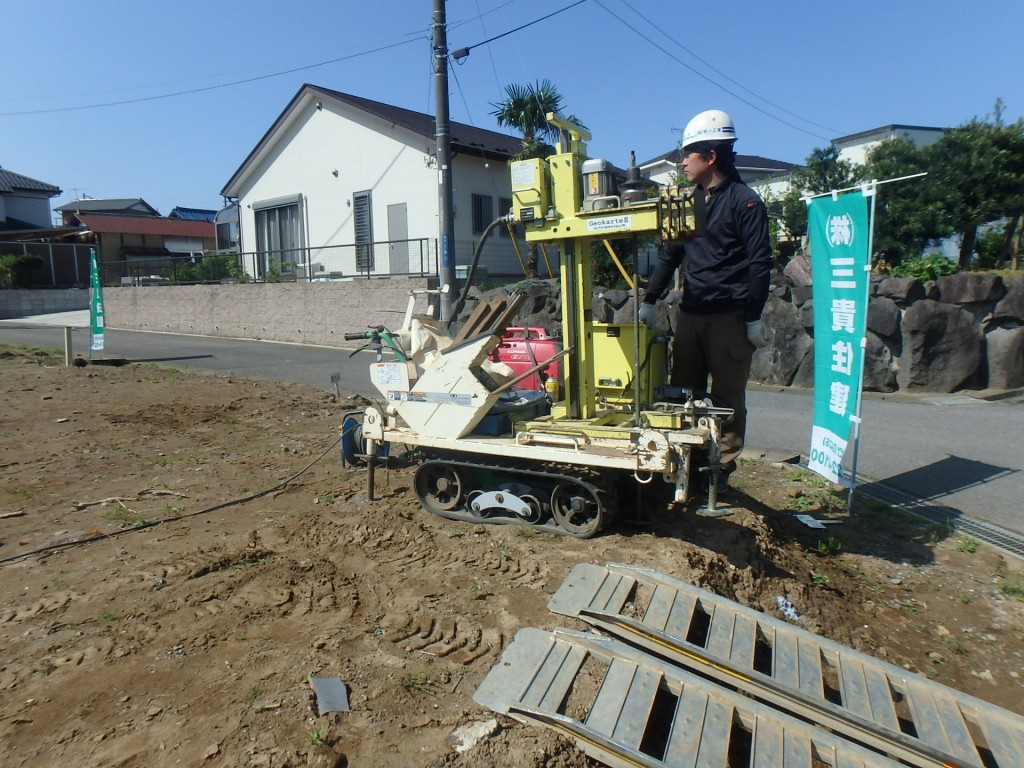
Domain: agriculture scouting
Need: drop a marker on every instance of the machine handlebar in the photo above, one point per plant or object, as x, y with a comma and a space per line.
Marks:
371, 334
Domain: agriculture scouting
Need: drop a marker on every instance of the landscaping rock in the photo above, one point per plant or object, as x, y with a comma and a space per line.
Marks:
943, 348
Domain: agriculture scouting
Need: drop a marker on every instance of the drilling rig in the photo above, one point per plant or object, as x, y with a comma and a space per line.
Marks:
491, 453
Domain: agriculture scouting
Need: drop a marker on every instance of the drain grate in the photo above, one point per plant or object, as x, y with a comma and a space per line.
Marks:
939, 515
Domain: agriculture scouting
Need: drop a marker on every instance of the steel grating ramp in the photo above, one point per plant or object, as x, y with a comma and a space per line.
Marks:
853, 695
650, 713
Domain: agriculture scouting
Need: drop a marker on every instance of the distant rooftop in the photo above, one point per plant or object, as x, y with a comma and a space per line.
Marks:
98, 205
191, 214
11, 181
101, 223
742, 161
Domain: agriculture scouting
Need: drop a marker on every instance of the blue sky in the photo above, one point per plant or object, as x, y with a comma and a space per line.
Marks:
793, 75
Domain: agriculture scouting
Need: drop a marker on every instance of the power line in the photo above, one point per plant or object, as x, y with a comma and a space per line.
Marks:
705, 77
722, 74
462, 53
209, 87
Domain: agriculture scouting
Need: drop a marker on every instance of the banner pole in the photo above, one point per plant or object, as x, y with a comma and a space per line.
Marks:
868, 191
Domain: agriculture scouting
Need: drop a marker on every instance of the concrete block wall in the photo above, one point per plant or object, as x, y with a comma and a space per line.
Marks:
311, 313
22, 303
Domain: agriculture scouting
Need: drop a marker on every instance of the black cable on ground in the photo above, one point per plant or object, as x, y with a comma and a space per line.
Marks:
144, 526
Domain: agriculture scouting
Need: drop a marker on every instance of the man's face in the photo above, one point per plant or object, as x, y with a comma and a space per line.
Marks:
696, 168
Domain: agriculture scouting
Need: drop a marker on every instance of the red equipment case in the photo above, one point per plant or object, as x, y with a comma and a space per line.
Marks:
523, 348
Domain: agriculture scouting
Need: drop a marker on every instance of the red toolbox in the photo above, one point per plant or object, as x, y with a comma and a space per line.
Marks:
523, 348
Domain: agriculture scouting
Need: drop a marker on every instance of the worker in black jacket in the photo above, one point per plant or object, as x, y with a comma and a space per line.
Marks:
726, 274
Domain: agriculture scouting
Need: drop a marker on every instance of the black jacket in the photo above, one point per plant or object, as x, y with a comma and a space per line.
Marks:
729, 267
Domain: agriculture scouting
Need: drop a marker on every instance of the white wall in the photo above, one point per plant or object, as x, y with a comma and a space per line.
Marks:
395, 165
856, 152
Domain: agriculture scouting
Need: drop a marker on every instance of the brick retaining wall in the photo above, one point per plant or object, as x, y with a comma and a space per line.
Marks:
22, 303
311, 313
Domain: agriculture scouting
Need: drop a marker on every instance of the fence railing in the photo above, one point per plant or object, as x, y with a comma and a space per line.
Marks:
390, 258
64, 265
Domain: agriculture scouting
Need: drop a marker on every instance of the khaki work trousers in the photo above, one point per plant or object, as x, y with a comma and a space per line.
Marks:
715, 346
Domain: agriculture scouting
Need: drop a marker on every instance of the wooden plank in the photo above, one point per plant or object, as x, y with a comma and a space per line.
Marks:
960, 740
579, 589
925, 716
636, 709
714, 743
659, 608
560, 684
853, 687
687, 725
784, 658
810, 669
796, 750
883, 711
1005, 742
744, 637
610, 591
767, 747
604, 714
721, 631
545, 674
678, 624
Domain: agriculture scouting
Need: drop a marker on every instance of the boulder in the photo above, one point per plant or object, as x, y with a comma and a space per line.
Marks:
616, 297
1011, 306
943, 348
879, 366
1004, 349
798, 270
902, 290
779, 362
802, 294
970, 288
883, 316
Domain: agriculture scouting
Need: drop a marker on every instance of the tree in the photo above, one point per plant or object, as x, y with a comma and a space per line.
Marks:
908, 214
823, 171
526, 109
979, 166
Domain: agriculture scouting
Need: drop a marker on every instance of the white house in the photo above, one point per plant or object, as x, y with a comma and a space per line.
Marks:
855, 147
24, 202
341, 186
771, 178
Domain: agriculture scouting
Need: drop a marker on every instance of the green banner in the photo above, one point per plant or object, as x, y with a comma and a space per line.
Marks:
839, 234
95, 302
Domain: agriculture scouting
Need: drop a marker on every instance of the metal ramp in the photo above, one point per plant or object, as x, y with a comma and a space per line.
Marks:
650, 713
857, 697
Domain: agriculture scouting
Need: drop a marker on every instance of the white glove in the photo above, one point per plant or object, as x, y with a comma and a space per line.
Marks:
757, 333
648, 315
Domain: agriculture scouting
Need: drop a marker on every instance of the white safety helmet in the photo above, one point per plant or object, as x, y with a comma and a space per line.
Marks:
711, 125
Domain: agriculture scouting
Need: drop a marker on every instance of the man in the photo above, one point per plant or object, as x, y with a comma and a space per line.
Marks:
726, 273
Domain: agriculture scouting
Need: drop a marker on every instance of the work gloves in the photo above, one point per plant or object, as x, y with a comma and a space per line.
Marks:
648, 315
757, 333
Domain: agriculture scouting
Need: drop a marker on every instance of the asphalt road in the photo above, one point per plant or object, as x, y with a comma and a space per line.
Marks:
956, 456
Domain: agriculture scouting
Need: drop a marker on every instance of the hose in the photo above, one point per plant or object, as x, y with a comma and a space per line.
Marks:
457, 308
174, 518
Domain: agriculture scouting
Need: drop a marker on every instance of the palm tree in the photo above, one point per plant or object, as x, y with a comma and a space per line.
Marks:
525, 109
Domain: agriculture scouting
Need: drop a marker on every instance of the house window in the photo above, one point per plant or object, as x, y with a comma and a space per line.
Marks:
363, 219
278, 236
483, 213
504, 206
226, 222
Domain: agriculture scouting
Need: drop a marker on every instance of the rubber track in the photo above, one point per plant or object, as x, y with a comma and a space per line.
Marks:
510, 474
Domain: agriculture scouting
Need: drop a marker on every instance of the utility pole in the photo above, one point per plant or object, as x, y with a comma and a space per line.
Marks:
446, 206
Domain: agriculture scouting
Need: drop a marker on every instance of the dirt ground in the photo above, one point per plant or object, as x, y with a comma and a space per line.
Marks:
124, 642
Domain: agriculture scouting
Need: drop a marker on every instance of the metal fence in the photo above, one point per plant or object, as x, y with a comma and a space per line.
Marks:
64, 265
390, 258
